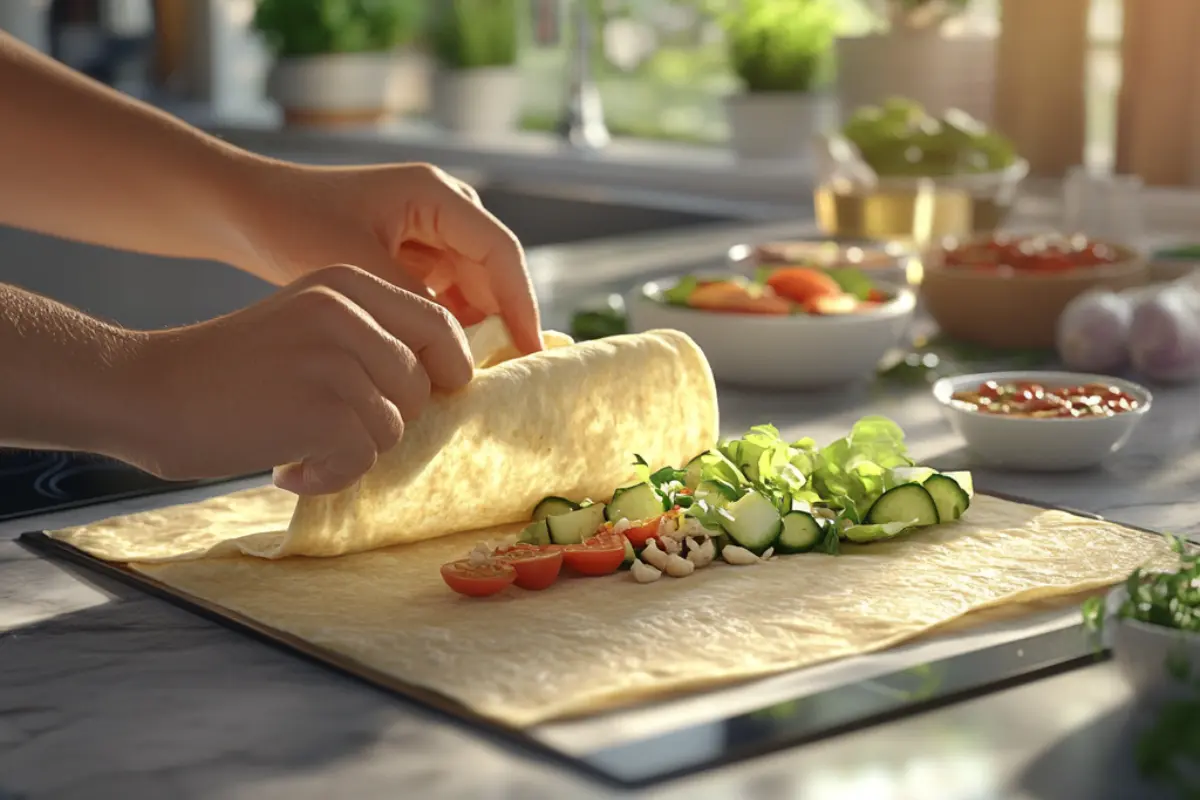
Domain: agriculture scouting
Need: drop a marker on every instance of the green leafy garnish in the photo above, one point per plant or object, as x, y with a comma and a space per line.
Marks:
853, 281
678, 294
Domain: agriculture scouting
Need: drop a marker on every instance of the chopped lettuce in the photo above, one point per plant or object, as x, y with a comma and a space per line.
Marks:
853, 472
844, 478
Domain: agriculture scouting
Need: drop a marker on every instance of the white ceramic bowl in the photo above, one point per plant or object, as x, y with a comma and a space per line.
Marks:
1041, 445
1142, 651
791, 352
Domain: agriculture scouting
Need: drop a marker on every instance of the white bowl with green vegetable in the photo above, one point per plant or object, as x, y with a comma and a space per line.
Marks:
791, 328
1152, 624
1042, 421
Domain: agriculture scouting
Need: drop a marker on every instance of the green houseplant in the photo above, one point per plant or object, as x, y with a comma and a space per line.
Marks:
335, 59
780, 51
476, 44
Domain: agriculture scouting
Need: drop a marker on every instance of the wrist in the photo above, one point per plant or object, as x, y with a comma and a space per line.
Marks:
65, 377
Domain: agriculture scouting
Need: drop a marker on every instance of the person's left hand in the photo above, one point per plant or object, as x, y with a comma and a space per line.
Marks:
411, 224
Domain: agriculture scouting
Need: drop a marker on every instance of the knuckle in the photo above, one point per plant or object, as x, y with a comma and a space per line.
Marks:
323, 304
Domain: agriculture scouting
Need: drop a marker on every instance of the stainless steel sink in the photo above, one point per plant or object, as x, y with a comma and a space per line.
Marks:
548, 215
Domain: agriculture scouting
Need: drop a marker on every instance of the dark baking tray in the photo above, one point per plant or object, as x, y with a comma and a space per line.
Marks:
692, 749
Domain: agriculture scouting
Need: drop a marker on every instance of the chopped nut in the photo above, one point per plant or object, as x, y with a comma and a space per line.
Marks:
701, 555
738, 556
678, 567
671, 545
667, 527
653, 556
622, 525
644, 573
766, 556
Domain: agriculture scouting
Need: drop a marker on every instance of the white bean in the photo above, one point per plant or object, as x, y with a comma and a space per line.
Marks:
738, 556
678, 567
653, 556
644, 573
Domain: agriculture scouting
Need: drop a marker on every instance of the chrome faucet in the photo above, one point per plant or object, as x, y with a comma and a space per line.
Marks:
582, 124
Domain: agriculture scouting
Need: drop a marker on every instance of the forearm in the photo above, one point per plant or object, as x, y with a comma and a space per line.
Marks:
65, 377
81, 161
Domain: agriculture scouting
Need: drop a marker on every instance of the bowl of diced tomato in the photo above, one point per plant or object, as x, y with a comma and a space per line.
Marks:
1009, 291
788, 328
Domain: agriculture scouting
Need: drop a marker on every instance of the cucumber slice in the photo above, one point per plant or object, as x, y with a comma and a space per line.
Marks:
635, 503
717, 495
575, 526
754, 523
694, 471
909, 502
801, 533
535, 533
949, 497
964, 480
552, 507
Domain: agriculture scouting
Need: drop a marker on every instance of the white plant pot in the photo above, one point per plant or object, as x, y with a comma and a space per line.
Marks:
775, 125
477, 102
333, 90
938, 71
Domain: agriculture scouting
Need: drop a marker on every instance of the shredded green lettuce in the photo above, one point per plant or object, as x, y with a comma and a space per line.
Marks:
853, 472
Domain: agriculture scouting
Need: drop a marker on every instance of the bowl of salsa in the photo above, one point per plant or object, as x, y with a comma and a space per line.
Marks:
1042, 421
1008, 291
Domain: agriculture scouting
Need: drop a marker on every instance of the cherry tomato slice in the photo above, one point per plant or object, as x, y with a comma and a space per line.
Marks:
536, 567
600, 555
802, 284
477, 580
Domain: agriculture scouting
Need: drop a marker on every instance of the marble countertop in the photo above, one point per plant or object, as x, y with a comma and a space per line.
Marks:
105, 692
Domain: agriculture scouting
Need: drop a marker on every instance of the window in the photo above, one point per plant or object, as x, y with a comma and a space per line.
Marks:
662, 71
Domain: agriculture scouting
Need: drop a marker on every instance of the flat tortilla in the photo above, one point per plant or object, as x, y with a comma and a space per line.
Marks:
565, 421
590, 644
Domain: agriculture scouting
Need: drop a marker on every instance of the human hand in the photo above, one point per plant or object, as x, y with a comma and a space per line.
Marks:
320, 377
410, 224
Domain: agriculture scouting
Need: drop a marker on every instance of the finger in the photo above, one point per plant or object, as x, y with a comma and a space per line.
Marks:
373, 258
368, 361
467, 315
427, 329
381, 415
463, 188
350, 454
447, 219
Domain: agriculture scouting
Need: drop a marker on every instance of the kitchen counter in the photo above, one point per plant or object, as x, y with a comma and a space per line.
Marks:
105, 692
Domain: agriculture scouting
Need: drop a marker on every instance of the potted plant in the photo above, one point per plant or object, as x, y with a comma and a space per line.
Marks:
916, 52
335, 60
780, 51
477, 87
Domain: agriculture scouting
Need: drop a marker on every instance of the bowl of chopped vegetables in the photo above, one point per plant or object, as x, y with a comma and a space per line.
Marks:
1009, 291
1042, 421
789, 328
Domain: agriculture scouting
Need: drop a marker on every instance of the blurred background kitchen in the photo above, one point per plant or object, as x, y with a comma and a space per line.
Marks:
891, 121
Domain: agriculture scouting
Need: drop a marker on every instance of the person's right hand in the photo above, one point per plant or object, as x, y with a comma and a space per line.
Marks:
320, 378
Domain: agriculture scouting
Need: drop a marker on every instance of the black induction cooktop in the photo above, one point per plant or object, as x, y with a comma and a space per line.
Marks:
41, 481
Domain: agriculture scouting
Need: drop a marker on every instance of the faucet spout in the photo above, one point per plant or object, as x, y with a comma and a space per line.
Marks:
582, 124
